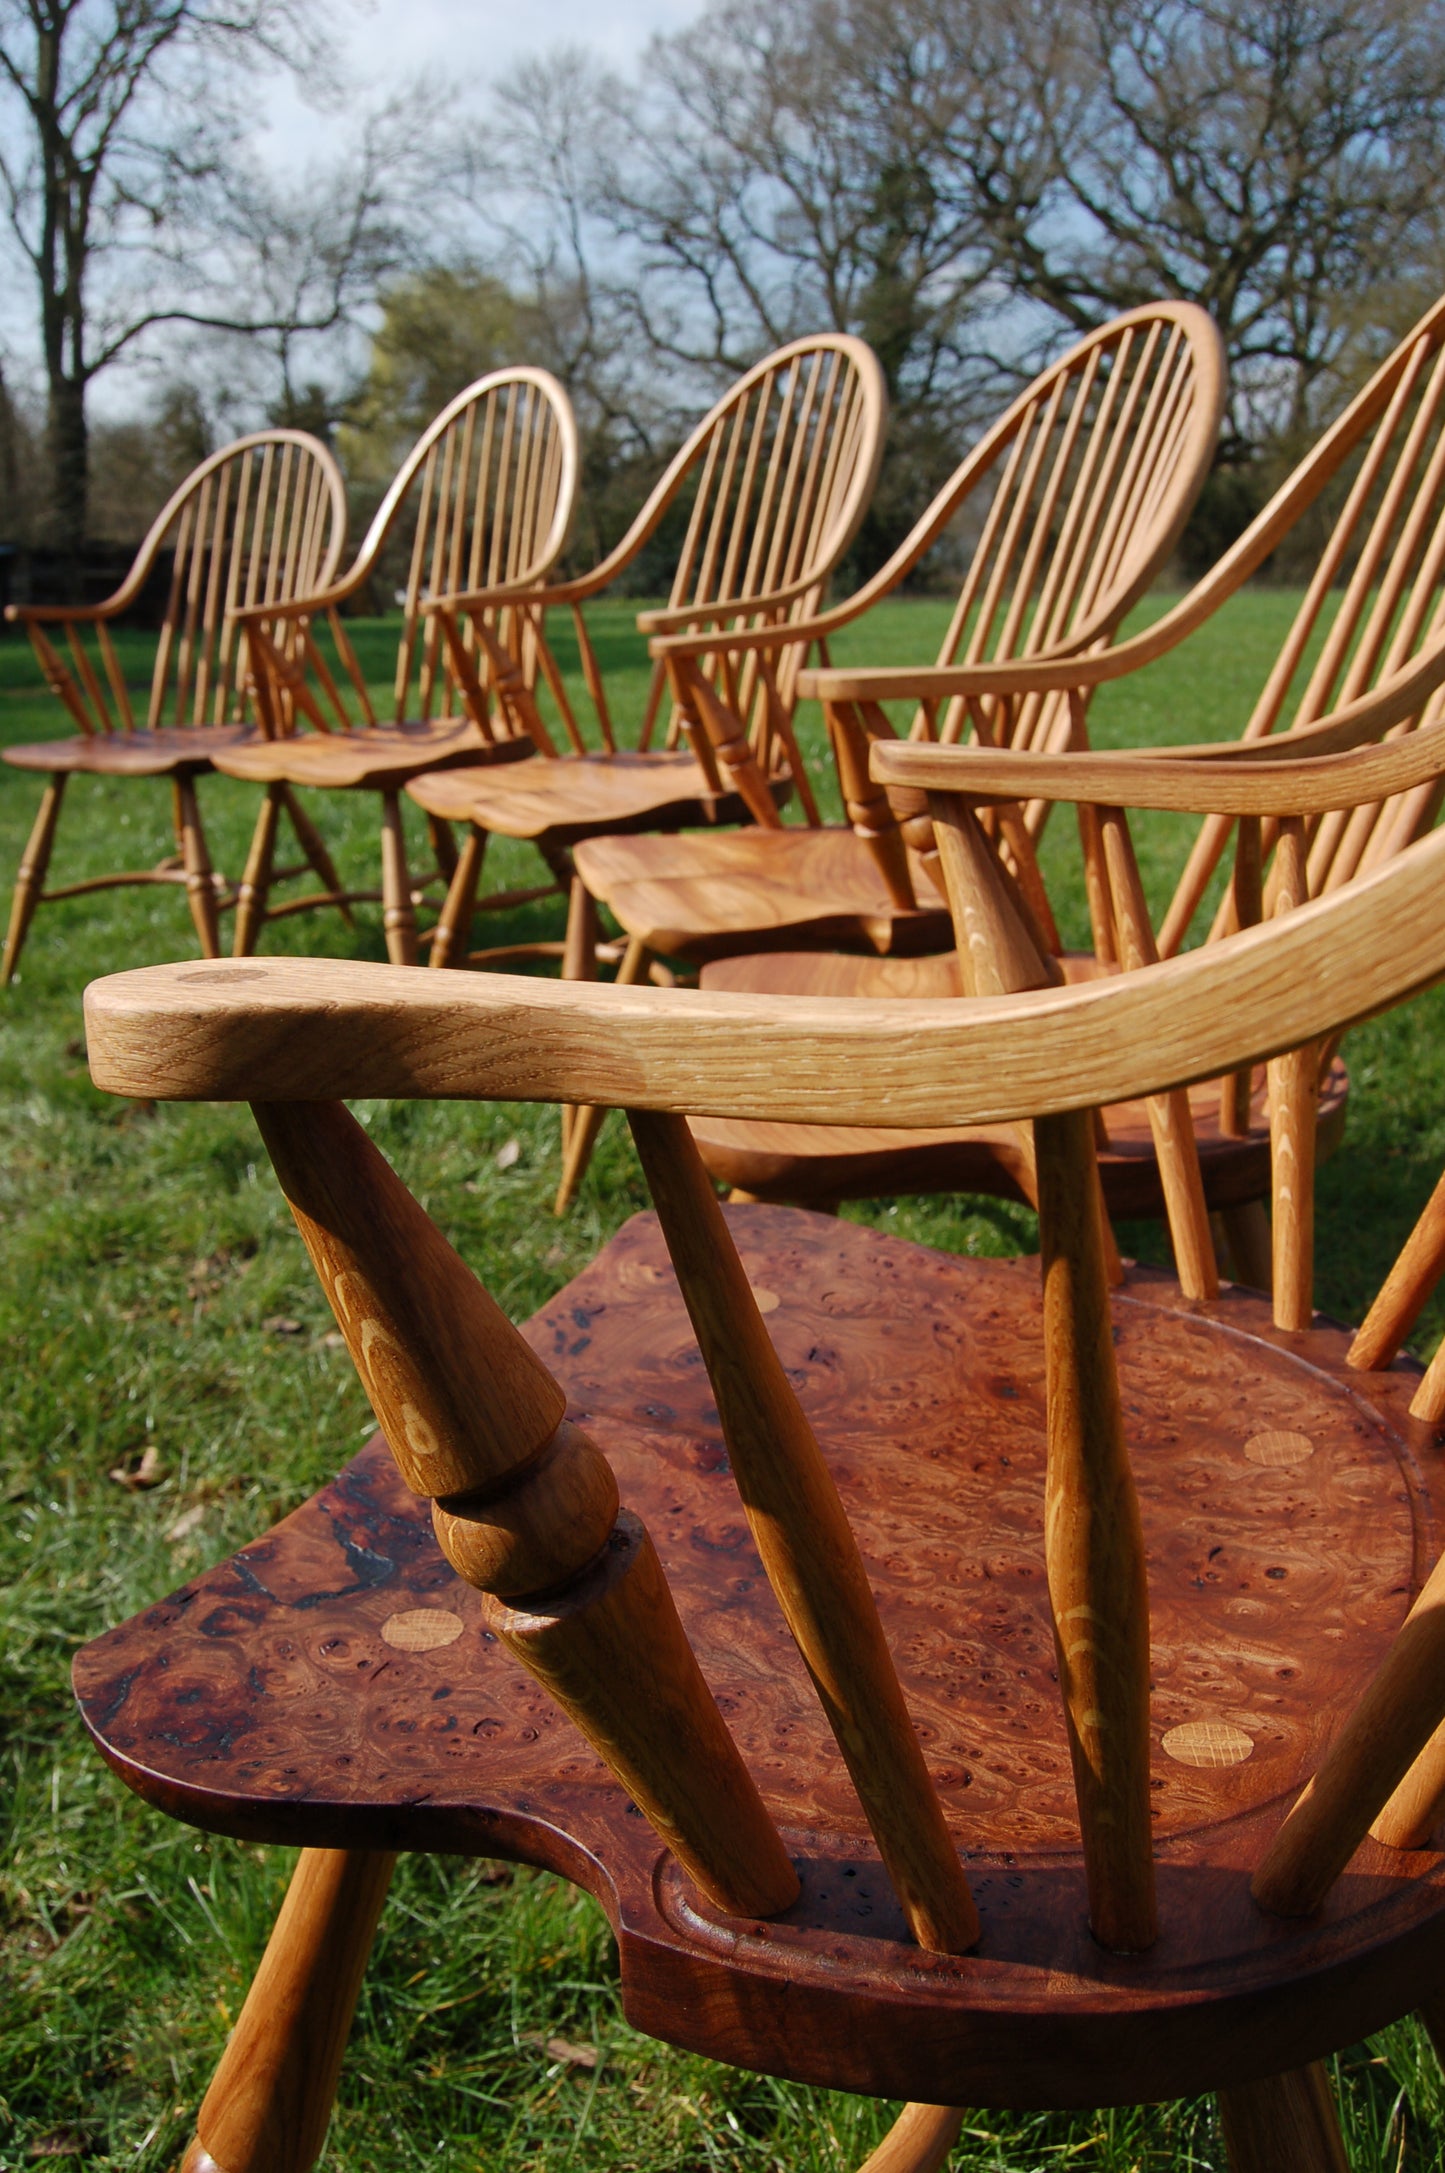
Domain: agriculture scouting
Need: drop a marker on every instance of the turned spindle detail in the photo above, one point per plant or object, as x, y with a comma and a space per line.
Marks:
867, 804
723, 748
525, 1504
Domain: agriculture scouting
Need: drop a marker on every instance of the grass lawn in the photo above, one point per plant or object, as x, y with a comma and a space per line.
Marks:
153, 1294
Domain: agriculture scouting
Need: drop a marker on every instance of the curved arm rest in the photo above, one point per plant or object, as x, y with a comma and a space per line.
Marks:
764, 637
65, 614
685, 618
1010, 675
1276, 779
312, 1029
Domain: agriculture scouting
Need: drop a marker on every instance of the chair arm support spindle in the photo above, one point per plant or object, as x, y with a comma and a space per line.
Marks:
526, 1505
806, 1543
1373, 1754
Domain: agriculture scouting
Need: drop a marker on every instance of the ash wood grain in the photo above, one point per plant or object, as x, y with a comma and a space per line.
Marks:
1401, 1296
269, 2103
1293, 1096
1094, 1546
811, 1164
289, 1030
256, 1701
701, 897
919, 2141
807, 1546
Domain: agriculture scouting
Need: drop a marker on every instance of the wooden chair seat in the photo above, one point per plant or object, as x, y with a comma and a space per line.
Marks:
132, 754
828, 1162
700, 897
584, 796
370, 758
332, 1685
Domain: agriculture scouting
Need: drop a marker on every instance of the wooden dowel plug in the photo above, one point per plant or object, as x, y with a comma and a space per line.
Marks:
1373, 1754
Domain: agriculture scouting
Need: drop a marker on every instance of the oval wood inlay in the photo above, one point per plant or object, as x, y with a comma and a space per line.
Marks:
422, 1629
1211, 1743
1275, 1450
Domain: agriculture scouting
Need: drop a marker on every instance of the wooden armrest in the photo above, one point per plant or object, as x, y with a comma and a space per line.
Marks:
62, 614
314, 1029
1272, 779
734, 640
682, 618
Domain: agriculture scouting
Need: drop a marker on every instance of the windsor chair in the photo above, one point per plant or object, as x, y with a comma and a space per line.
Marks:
260, 522
1185, 1158
780, 471
1364, 658
1033, 1866
1077, 496
488, 492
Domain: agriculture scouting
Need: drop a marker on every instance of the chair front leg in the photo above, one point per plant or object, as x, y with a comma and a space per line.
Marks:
30, 876
581, 1124
256, 882
453, 930
270, 2100
196, 859
313, 845
397, 911
919, 2140
1285, 2124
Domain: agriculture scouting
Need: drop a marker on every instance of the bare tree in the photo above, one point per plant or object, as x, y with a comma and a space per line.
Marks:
777, 166
1276, 161
125, 182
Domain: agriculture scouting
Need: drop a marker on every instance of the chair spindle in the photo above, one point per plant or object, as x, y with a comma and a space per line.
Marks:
525, 1505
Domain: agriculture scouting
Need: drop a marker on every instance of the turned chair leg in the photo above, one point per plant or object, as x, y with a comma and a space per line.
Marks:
255, 886
397, 911
270, 2099
313, 847
1285, 2124
1250, 1244
918, 2142
581, 1125
196, 859
454, 923
30, 876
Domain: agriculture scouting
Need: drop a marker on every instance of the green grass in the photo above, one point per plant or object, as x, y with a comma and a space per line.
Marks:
145, 1253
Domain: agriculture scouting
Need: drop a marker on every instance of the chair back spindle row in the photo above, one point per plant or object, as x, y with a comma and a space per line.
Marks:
484, 498
260, 523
